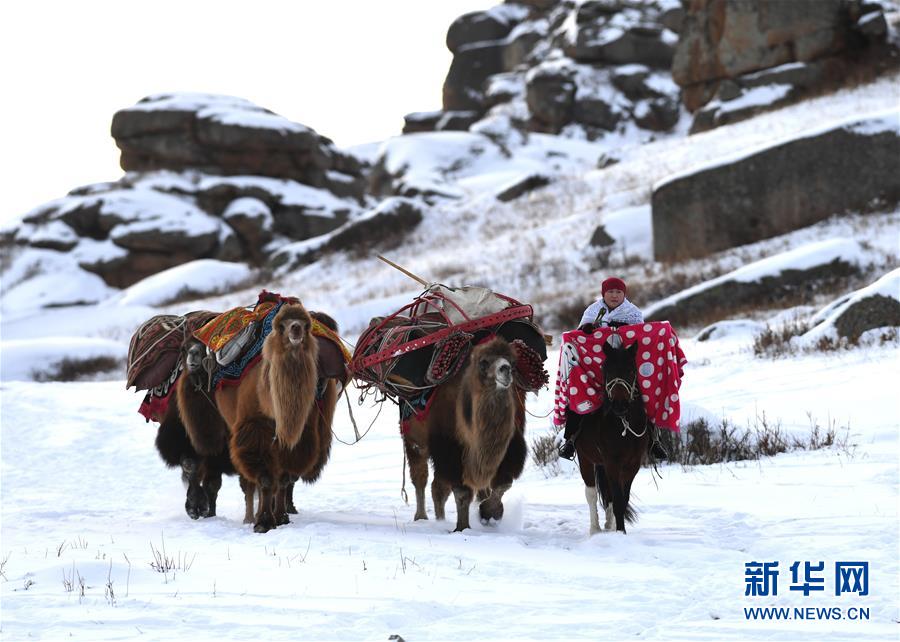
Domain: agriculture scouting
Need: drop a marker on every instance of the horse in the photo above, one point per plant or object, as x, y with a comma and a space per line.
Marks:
613, 439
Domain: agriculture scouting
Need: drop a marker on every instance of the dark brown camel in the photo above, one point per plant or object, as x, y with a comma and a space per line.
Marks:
268, 413
613, 439
207, 431
202, 475
474, 436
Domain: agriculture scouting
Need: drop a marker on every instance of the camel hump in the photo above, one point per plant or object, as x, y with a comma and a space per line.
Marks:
324, 319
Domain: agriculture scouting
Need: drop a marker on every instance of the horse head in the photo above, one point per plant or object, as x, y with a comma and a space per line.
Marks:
619, 375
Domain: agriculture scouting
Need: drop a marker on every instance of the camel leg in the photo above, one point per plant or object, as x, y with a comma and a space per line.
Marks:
211, 485
289, 506
196, 503
440, 491
492, 506
281, 499
265, 516
463, 496
249, 489
418, 473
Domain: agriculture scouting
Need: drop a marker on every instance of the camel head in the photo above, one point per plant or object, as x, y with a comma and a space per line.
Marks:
293, 326
494, 361
192, 352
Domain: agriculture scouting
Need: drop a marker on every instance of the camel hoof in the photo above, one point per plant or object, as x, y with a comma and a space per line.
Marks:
419, 516
490, 510
282, 519
262, 527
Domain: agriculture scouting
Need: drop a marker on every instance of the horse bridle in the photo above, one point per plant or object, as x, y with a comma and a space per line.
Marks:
631, 388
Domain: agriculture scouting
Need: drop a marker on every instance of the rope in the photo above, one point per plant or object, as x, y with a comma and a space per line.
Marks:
179, 325
403, 494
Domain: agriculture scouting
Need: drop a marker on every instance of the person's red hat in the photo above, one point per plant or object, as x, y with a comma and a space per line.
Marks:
613, 283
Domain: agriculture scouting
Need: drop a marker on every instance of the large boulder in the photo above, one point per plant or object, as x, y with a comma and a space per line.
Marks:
550, 95
795, 276
874, 306
851, 167
723, 39
224, 135
472, 65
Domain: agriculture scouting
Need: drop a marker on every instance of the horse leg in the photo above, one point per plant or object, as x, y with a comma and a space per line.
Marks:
605, 497
463, 496
590, 495
249, 489
418, 473
195, 503
265, 516
440, 491
212, 483
619, 500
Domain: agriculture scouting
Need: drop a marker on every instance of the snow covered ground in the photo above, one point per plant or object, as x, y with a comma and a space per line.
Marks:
86, 499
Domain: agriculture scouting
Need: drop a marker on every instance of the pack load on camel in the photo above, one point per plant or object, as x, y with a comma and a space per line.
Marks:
153, 358
459, 362
420, 346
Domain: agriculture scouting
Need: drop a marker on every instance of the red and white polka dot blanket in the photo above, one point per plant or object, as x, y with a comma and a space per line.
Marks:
660, 361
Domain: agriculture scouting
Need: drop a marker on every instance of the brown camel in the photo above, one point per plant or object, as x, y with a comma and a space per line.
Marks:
474, 435
268, 413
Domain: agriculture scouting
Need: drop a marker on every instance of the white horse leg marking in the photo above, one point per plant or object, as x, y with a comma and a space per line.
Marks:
610, 518
590, 494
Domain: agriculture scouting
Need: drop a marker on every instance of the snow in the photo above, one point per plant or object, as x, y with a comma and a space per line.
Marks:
228, 110
353, 564
24, 359
756, 97
868, 125
203, 276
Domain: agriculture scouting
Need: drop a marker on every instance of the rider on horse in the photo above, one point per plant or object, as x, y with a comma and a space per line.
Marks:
612, 309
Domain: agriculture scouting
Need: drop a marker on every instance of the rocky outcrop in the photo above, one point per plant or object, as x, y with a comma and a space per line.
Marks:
851, 167
382, 228
230, 136
209, 177
550, 68
813, 45
795, 276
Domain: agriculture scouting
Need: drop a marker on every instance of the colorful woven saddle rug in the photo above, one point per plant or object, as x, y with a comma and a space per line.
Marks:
219, 333
659, 361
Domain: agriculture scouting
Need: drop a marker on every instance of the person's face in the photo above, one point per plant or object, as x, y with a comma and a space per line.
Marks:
613, 298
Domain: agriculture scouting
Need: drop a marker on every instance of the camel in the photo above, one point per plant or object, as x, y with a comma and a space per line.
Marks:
202, 475
473, 434
275, 434
204, 426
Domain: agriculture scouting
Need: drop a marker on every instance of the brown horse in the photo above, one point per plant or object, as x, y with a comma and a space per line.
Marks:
474, 436
613, 439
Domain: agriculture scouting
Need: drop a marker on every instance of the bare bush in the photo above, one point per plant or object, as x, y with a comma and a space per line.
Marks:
77, 369
545, 456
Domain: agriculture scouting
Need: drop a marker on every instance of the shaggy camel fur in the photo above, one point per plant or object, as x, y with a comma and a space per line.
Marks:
202, 475
474, 435
207, 431
269, 410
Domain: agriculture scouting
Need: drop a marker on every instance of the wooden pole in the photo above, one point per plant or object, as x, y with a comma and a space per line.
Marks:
406, 272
